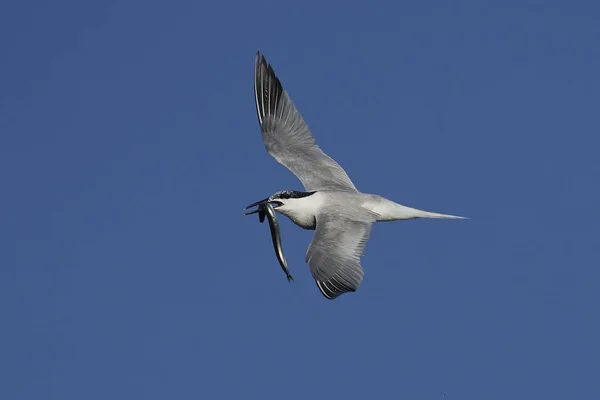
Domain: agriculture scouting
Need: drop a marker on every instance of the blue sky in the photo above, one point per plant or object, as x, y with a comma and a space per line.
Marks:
129, 144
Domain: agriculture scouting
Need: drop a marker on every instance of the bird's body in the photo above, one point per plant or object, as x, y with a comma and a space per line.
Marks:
303, 211
341, 216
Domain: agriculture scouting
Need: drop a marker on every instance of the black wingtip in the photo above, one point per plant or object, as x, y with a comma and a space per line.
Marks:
330, 294
268, 89
257, 57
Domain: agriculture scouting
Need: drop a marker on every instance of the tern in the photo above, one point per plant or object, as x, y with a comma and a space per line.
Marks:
340, 215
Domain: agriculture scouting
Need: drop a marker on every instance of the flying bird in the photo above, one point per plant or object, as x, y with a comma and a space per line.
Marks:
340, 215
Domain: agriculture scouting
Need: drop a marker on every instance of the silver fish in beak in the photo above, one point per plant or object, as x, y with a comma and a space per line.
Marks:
266, 209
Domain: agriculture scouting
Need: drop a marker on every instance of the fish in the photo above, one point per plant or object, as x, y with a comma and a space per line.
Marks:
276, 238
266, 209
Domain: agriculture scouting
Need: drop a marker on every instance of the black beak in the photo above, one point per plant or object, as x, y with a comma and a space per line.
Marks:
256, 204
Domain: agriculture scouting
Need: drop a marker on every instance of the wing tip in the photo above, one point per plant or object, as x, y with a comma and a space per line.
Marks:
267, 101
332, 294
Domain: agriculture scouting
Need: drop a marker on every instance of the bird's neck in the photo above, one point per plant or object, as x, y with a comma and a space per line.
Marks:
302, 211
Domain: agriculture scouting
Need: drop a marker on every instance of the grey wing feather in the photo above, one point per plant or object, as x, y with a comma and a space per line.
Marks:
334, 253
287, 137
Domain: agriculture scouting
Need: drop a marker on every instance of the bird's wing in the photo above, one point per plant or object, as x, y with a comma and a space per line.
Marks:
287, 137
334, 253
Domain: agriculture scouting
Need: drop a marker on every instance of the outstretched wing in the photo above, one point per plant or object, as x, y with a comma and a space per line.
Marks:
334, 253
287, 137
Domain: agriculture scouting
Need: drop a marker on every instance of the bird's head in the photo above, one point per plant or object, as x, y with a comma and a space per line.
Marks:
281, 198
